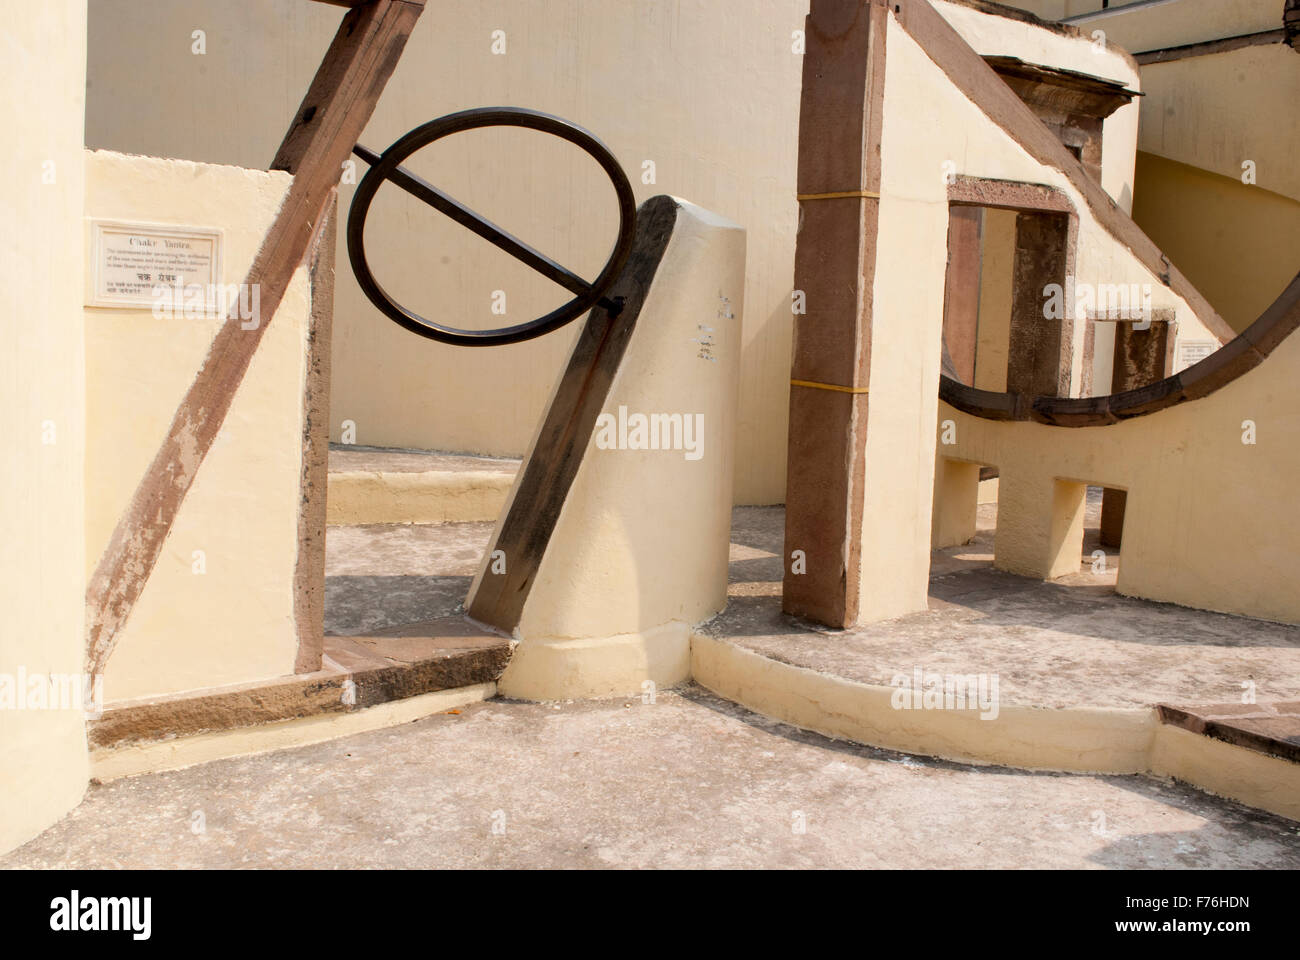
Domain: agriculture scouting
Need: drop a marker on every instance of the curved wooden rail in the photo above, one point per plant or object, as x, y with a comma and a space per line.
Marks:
1240, 355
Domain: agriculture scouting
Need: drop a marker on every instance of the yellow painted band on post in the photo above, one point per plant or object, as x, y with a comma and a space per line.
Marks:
839, 194
827, 386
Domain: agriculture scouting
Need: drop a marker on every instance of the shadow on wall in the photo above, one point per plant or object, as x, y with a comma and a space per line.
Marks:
1238, 244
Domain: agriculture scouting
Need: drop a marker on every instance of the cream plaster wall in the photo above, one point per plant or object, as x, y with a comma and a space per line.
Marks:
1239, 244
708, 91
1058, 9
908, 304
639, 552
1152, 24
1218, 111
42, 485
234, 622
1209, 521
1174, 23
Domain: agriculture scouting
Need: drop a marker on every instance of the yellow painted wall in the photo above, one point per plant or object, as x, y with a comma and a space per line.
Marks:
43, 763
708, 91
1239, 244
234, 622
908, 304
1138, 26
1218, 111
1209, 522
1145, 25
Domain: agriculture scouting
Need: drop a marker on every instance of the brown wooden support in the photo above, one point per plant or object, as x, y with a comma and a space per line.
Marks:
336, 109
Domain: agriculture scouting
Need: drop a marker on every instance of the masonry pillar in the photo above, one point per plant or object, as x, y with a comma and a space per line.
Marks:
956, 502
42, 487
1040, 525
835, 259
961, 293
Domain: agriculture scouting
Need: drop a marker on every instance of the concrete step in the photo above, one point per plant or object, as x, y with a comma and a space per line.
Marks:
359, 675
1269, 728
369, 485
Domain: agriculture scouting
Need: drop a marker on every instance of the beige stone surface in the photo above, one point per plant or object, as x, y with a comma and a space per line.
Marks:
638, 554
405, 496
42, 391
352, 459
1072, 642
233, 622
378, 577
688, 781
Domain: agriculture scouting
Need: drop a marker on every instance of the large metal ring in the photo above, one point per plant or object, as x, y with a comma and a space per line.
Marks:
386, 166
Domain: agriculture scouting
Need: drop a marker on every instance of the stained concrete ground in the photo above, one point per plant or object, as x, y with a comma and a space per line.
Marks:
688, 781
1066, 642
693, 781
379, 576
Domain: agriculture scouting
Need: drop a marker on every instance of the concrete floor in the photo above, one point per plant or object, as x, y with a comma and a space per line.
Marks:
1066, 642
693, 781
689, 781
381, 576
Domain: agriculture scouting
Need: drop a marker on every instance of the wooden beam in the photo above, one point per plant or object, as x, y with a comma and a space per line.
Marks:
309, 574
840, 131
335, 111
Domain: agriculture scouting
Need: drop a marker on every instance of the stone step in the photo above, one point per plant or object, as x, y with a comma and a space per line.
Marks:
358, 672
1269, 728
371, 485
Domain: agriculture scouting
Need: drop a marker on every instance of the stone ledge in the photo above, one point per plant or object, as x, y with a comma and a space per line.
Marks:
1078, 739
1269, 728
436, 496
359, 672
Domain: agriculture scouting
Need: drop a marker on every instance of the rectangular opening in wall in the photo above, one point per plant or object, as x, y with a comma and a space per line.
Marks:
1103, 525
998, 331
965, 516
978, 295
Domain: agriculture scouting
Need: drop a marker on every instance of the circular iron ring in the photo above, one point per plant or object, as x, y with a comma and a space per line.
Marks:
426, 134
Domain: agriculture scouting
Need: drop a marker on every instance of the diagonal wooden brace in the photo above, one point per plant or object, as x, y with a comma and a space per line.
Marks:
337, 107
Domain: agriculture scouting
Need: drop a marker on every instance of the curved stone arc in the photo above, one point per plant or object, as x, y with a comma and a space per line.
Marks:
1235, 358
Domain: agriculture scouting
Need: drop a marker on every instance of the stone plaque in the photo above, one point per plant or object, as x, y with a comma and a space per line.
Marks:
1194, 351
139, 264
